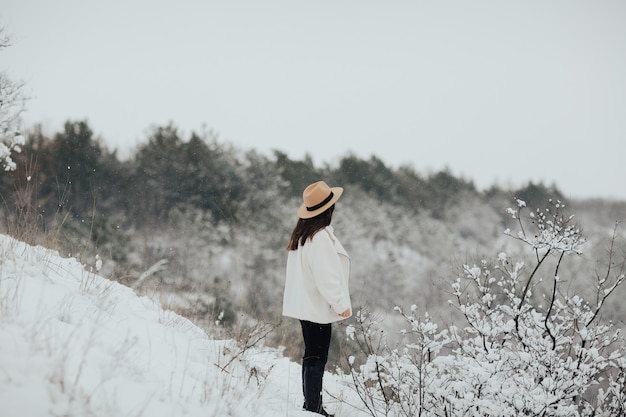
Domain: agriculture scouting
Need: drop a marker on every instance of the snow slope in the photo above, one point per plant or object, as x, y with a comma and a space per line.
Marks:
73, 343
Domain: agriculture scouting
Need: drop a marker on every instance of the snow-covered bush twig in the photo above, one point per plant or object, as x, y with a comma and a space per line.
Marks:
12, 105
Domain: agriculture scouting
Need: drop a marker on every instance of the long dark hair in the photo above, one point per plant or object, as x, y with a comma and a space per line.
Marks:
307, 228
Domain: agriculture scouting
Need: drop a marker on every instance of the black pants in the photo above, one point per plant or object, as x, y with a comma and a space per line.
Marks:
316, 343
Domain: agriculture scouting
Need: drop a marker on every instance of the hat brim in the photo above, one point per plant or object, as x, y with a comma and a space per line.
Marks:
303, 213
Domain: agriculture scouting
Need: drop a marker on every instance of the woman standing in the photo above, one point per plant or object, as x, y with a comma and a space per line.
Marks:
316, 286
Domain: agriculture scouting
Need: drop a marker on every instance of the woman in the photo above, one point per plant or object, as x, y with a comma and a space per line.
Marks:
316, 285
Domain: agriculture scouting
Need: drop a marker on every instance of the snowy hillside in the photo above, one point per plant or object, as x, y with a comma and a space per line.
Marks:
75, 344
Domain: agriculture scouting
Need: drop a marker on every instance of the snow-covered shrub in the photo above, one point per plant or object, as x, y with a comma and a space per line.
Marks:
11, 107
517, 353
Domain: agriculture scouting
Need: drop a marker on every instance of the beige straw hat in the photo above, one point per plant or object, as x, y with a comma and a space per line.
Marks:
318, 197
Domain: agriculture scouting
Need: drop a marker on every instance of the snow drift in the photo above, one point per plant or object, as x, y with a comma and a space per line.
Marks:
73, 343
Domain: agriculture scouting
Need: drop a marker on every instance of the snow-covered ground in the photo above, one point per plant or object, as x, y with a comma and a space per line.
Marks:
73, 343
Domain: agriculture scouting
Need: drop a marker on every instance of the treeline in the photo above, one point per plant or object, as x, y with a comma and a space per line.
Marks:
71, 179
204, 224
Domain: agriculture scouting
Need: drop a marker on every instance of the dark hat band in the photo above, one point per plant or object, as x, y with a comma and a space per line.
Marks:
320, 205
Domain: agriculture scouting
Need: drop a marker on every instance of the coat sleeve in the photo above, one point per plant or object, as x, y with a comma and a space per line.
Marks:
327, 272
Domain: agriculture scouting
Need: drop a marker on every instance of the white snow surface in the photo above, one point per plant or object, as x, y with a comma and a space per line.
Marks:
73, 343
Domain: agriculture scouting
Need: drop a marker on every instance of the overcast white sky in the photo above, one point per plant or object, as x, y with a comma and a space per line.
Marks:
497, 91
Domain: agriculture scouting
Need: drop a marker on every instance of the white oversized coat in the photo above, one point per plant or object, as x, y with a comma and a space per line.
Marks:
316, 284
